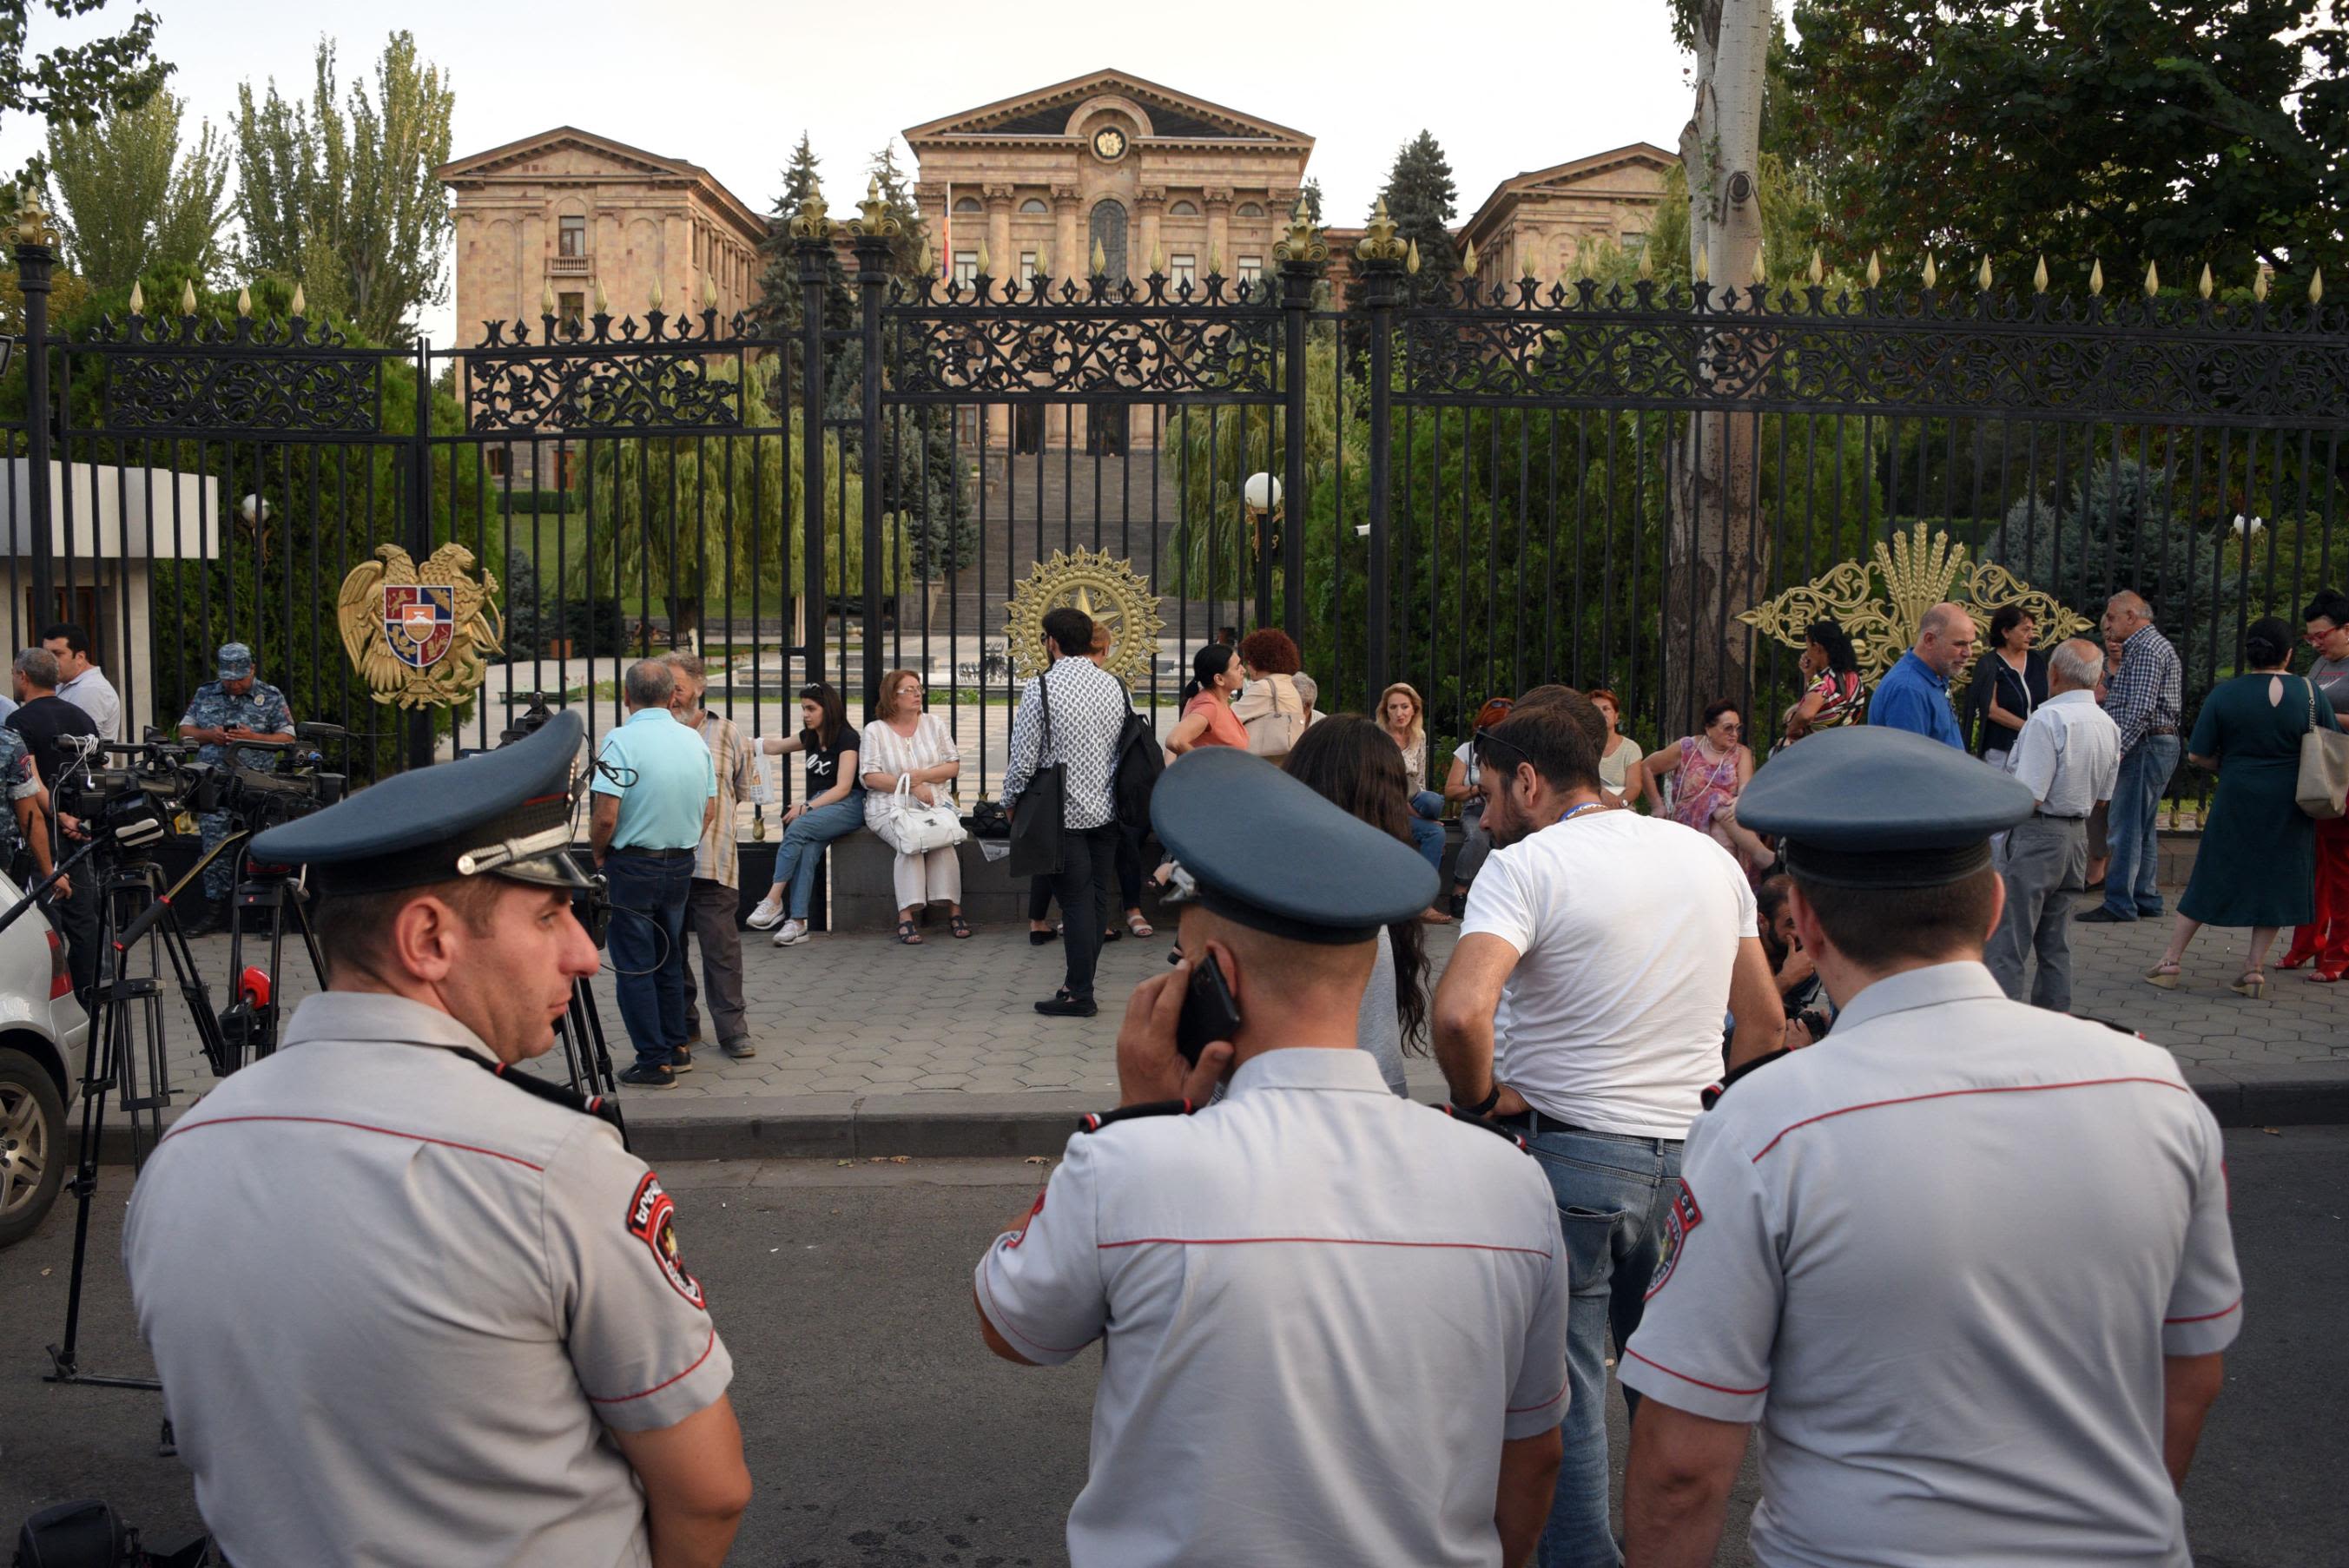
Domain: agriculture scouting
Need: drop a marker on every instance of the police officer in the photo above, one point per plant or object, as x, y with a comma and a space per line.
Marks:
1335, 1320
1966, 1261
409, 1306
237, 706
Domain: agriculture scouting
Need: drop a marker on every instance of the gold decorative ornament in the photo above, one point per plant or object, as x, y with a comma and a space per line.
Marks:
873, 221
1380, 243
1303, 243
420, 638
33, 225
812, 221
1108, 589
1916, 573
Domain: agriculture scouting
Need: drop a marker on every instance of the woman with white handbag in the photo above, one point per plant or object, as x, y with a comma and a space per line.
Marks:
911, 762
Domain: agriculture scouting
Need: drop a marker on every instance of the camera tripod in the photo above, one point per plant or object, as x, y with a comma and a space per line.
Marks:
126, 1030
248, 1024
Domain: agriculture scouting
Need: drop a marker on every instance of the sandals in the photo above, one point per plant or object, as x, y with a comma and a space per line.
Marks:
2250, 983
959, 927
1138, 926
908, 933
2164, 975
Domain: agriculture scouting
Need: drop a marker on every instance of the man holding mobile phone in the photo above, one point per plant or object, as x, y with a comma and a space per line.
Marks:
1335, 1320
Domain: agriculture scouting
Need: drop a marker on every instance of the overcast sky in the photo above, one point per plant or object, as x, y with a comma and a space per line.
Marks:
729, 84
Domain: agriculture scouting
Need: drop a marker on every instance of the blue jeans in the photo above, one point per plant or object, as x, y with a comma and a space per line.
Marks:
802, 850
2131, 890
1427, 826
1612, 1193
647, 948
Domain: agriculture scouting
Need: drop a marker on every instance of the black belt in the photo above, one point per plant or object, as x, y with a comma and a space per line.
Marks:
2062, 815
2172, 729
1532, 1123
650, 853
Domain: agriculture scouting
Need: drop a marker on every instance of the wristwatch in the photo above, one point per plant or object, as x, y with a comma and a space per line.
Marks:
1483, 1107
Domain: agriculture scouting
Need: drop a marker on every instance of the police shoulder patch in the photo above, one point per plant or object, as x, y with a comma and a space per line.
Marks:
1683, 1218
652, 1220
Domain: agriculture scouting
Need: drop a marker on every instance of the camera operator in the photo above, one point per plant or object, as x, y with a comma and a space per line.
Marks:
50, 725
402, 1312
237, 706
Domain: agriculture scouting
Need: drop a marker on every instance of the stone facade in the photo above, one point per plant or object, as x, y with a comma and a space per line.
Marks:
554, 223
1543, 215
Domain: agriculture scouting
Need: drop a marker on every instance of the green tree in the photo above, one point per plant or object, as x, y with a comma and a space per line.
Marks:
779, 311
2177, 131
342, 196
74, 84
1422, 201
130, 197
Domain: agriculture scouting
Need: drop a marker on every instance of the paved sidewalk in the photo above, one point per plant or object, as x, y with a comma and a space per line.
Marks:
866, 1048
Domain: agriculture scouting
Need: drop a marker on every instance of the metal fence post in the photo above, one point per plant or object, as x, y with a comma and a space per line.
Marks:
1378, 258
1302, 253
34, 259
811, 243
418, 528
872, 231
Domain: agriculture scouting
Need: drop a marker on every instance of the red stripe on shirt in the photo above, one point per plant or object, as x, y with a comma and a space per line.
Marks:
624, 1399
1546, 1403
1700, 1382
1311, 1241
355, 1126
1954, 1093
2206, 1316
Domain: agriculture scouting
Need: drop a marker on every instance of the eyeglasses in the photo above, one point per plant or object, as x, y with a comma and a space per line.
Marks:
1485, 737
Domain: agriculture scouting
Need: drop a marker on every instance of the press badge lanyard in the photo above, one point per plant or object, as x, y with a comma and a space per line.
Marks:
1585, 806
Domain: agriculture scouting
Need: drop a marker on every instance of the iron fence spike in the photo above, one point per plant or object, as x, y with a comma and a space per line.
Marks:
2039, 277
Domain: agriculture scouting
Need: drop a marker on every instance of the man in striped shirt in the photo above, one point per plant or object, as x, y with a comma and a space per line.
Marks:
2143, 702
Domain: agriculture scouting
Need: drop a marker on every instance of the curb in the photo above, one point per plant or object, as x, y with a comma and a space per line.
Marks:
950, 1125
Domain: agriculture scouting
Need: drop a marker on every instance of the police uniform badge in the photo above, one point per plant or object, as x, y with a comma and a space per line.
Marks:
1679, 1220
652, 1220
420, 636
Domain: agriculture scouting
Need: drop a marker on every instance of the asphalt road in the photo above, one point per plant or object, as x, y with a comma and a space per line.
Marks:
882, 1436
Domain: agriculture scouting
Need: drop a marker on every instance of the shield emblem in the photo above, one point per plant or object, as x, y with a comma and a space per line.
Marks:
420, 621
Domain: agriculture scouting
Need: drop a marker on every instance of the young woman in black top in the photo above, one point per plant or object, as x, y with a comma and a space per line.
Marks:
835, 807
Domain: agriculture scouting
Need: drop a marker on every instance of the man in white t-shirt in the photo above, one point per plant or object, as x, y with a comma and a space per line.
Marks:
1619, 942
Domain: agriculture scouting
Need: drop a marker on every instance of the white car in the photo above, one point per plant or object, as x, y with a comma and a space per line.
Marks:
43, 1034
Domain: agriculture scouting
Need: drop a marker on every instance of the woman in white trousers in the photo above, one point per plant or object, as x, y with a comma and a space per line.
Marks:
905, 744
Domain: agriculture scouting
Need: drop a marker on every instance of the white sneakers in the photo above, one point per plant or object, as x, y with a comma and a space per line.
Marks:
793, 933
764, 917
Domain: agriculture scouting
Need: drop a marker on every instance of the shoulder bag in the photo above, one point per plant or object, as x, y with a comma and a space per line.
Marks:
1037, 815
1272, 736
2323, 766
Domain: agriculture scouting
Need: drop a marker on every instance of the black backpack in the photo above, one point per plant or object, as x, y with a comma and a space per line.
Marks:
1139, 762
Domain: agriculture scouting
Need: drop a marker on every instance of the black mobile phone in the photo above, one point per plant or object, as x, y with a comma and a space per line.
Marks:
1209, 1012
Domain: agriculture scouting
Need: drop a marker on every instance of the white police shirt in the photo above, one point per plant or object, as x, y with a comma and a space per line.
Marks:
395, 1304
1940, 1256
1324, 1307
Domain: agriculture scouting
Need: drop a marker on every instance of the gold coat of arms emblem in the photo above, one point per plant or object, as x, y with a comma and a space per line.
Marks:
419, 636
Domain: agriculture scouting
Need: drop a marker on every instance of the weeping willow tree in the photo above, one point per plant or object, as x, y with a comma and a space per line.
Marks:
681, 520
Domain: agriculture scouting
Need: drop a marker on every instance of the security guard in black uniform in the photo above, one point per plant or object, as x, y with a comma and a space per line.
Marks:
1335, 1320
405, 1311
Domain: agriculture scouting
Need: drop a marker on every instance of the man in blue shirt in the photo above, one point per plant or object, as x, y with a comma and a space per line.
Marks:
655, 791
1914, 694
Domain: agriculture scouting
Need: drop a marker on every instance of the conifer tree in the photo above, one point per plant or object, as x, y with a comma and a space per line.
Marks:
1422, 199
777, 312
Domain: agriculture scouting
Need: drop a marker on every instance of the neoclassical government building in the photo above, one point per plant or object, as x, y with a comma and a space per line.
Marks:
566, 221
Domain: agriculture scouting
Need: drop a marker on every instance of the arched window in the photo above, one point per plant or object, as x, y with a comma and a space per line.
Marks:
967, 204
1034, 205
1250, 210
1183, 209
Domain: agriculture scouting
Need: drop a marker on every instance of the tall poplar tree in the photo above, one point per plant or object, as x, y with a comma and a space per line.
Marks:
129, 197
75, 83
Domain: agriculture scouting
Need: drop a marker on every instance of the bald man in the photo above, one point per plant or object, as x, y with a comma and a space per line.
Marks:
1914, 694
2143, 698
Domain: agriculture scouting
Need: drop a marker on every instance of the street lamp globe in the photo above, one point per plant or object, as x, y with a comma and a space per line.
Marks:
253, 509
1262, 492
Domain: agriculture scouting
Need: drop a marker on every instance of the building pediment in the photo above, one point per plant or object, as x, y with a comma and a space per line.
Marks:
568, 153
1601, 176
1168, 115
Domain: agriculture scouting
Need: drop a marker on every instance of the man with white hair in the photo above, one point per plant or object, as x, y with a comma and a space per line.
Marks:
2069, 756
2143, 699
1914, 694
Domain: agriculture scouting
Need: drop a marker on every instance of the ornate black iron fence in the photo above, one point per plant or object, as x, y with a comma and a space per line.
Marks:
1612, 484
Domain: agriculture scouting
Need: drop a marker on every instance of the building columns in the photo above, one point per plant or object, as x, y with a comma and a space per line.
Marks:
1219, 231
1069, 259
1149, 204
1002, 262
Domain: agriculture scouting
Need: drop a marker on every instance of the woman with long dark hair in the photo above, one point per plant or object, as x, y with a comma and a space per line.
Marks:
2011, 680
835, 807
1351, 762
1835, 695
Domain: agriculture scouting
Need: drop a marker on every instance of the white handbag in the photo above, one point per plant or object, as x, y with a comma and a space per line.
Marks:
922, 827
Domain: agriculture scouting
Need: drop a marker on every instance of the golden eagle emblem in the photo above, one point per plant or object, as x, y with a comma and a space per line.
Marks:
420, 638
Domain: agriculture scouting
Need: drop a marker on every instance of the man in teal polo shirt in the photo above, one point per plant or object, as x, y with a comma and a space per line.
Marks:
655, 790
1914, 694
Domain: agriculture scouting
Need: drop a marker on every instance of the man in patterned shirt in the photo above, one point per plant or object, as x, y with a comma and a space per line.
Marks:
713, 909
239, 706
21, 825
1086, 708
2143, 700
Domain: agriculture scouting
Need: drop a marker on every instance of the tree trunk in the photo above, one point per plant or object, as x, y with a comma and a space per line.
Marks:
1714, 540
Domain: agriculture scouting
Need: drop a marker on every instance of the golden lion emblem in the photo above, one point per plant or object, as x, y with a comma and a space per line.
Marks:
420, 638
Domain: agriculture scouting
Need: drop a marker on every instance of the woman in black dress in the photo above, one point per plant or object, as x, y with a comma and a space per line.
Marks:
2011, 681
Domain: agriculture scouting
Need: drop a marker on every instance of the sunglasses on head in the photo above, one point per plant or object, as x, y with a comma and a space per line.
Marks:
1486, 739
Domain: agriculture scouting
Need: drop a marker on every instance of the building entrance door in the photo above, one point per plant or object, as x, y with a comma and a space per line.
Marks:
1108, 233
